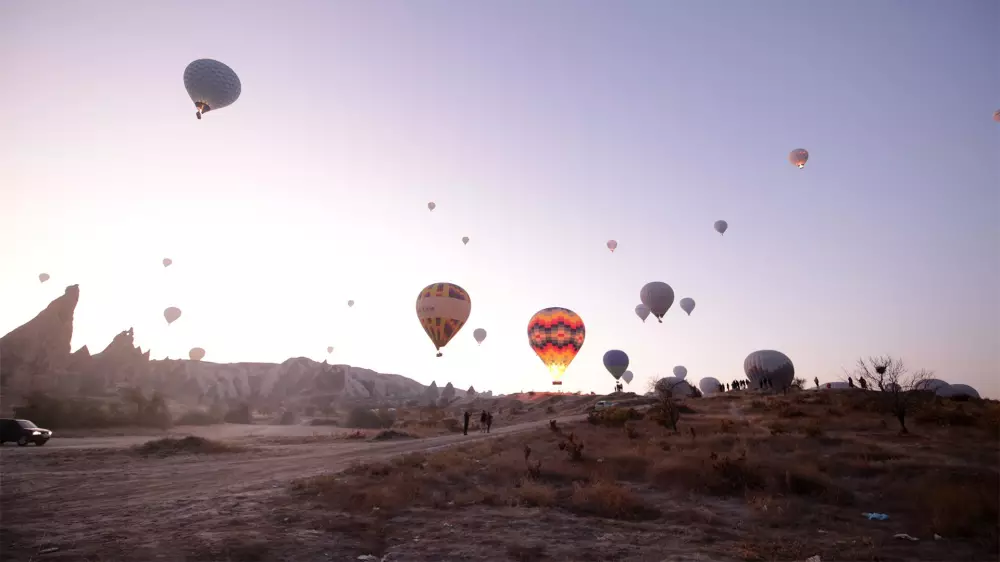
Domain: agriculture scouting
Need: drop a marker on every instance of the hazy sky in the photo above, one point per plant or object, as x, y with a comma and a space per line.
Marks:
541, 130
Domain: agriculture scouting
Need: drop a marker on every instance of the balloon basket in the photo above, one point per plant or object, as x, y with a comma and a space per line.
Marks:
557, 383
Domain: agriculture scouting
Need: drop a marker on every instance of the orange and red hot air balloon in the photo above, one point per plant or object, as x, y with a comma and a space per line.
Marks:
556, 335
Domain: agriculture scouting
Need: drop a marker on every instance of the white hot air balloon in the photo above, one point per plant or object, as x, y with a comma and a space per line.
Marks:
171, 314
680, 372
770, 364
721, 227
798, 157
329, 349
957, 390
678, 387
687, 305
43, 277
658, 297
211, 84
167, 262
350, 303
196, 354
465, 240
709, 385
642, 311
480, 335
612, 244
431, 205
627, 376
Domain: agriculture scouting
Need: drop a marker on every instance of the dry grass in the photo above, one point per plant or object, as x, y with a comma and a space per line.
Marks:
777, 470
190, 445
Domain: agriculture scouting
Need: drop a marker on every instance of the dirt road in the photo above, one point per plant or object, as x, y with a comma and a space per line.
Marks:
83, 495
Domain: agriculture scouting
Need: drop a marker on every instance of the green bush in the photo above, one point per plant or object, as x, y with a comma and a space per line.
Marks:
133, 408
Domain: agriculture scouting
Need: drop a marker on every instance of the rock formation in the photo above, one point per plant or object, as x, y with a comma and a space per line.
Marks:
41, 345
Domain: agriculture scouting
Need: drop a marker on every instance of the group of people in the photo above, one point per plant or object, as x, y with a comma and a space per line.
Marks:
619, 387
485, 422
743, 384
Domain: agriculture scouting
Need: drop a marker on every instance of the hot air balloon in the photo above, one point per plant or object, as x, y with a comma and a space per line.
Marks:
196, 354
556, 335
612, 244
172, 314
771, 364
657, 296
798, 157
167, 262
616, 362
479, 334
350, 303
642, 311
465, 240
674, 386
431, 205
329, 349
709, 385
721, 227
957, 390
627, 377
996, 116
687, 305
43, 277
680, 372
442, 309
211, 85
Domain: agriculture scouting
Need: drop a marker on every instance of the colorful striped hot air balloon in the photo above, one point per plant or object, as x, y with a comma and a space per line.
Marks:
443, 308
556, 336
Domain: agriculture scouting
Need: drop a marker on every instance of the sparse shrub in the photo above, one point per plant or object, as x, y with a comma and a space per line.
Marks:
452, 425
287, 418
169, 446
550, 410
727, 426
240, 413
535, 494
364, 418
554, 426
610, 500
813, 429
534, 466
573, 447
134, 408
758, 404
356, 435
631, 431
531, 393
388, 434
614, 416
789, 411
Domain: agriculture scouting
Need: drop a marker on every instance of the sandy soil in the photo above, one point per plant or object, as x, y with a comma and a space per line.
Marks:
95, 499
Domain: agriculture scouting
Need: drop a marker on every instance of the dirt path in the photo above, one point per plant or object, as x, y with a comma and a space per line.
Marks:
97, 489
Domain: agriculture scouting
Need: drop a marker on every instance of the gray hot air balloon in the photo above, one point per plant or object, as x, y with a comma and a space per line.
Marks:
196, 354
932, 385
770, 364
709, 385
479, 334
350, 303
211, 84
680, 372
43, 277
465, 240
721, 227
167, 262
957, 390
678, 387
431, 205
627, 377
642, 311
616, 362
171, 314
658, 297
687, 305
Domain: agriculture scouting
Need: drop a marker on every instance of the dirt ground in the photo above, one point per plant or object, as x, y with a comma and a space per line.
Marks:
745, 478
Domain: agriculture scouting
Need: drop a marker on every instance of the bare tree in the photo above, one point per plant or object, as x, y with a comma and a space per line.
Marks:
666, 407
897, 386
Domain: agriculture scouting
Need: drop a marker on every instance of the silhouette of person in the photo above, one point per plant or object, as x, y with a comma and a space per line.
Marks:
816, 380
864, 385
850, 382
465, 424
482, 422
489, 422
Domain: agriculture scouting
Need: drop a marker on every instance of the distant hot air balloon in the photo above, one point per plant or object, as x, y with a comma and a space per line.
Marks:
627, 377
196, 354
329, 349
442, 309
680, 372
556, 335
616, 362
658, 297
211, 85
769, 364
642, 311
612, 244
431, 205
798, 157
465, 240
43, 277
687, 305
167, 262
350, 303
172, 314
721, 227
709, 385
479, 334
996, 116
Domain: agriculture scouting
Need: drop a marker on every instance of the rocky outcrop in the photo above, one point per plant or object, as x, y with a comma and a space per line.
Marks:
448, 393
41, 345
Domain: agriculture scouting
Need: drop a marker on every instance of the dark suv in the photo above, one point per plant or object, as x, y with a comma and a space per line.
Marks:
22, 432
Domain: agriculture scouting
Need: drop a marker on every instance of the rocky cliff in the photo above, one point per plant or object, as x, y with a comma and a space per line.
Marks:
37, 357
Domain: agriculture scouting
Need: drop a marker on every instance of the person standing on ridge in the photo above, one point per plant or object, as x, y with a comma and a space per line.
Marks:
482, 422
465, 424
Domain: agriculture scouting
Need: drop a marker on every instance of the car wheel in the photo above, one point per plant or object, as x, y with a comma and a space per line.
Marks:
40, 442
21, 442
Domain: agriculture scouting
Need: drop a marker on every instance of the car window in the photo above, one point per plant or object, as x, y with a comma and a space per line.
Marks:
26, 424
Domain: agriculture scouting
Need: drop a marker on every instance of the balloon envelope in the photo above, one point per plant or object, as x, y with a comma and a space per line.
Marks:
642, 311
431, 205
479, 334
211, 85
465, 240
556, 335
443, 309
616, 362
680, 372
679, 388
196, 354
996, 116
612, 244
658, 297
43, 277
329, 349
350, 303
171, 314
627, 377
771, 364
687, 305
958, 389
167, 262
798, 157
721, 227
709, 385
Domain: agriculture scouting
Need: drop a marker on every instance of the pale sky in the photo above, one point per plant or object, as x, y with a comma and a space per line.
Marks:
541, 130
